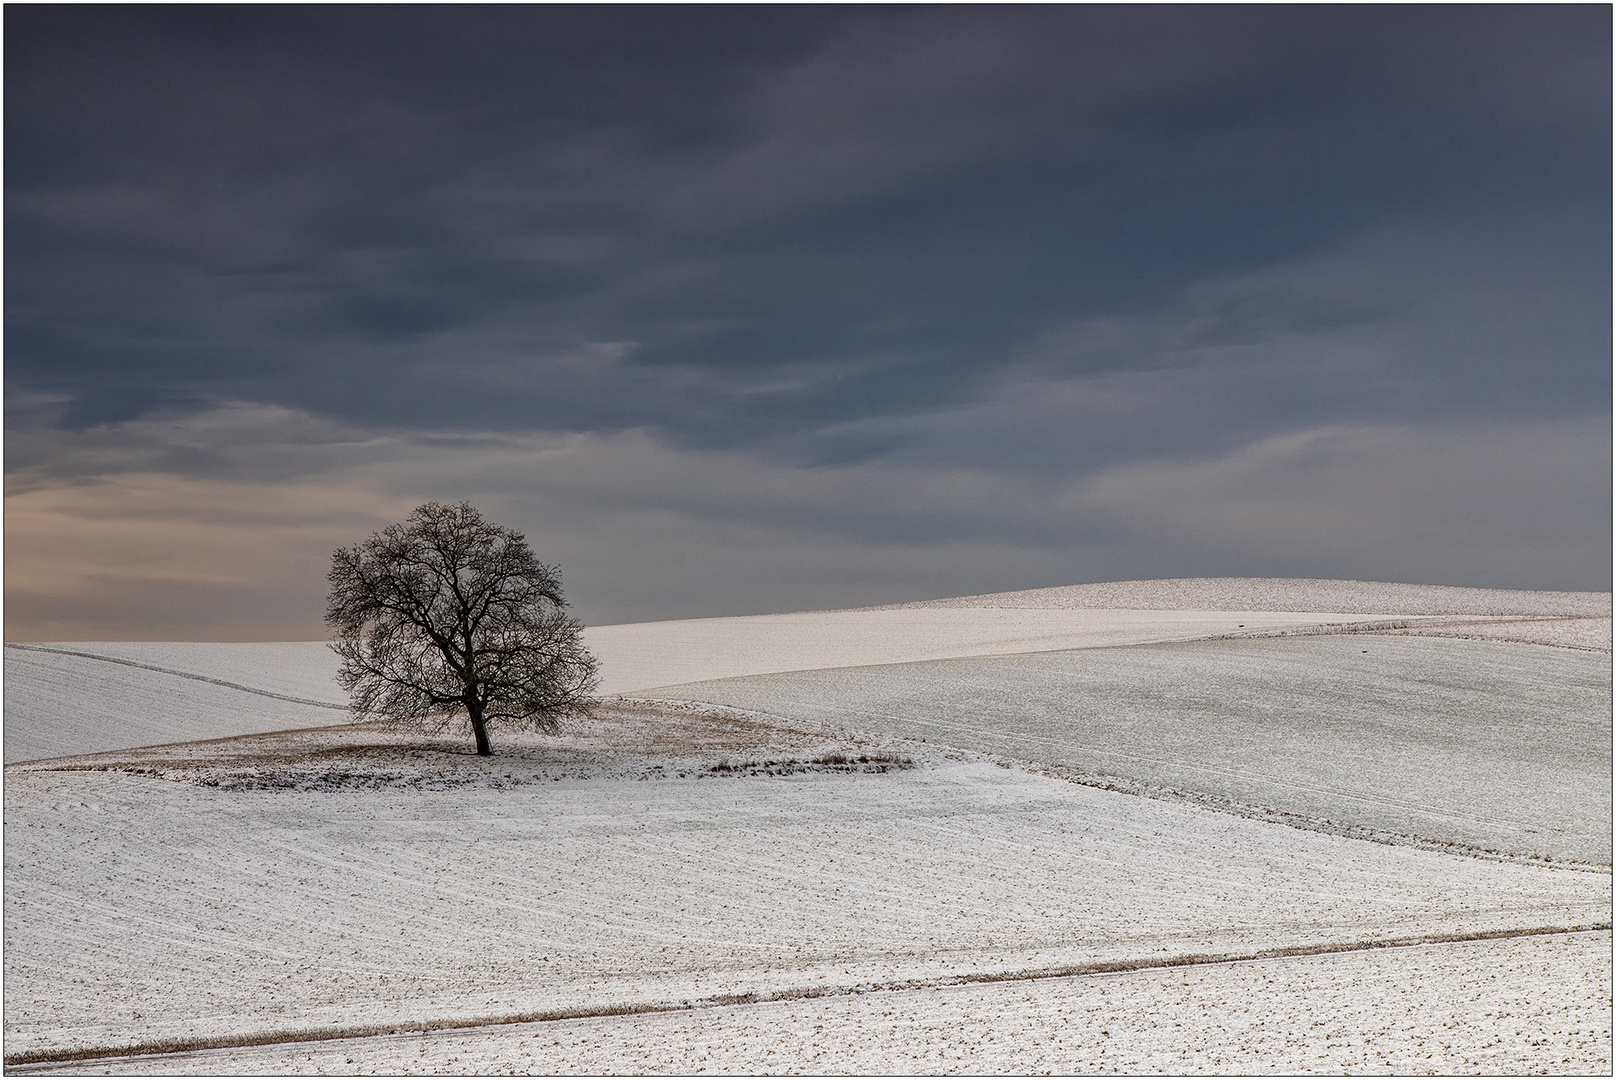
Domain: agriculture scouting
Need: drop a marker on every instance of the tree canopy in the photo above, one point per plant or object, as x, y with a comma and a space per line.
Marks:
448, 613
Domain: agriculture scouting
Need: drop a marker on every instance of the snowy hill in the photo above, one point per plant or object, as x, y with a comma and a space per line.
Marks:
90, 696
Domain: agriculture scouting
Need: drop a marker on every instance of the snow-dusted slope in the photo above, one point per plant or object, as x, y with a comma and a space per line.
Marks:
1497, 746
640, 655
1286, 594
81, 704
140, 908
57, 703
297, 669
637, 656
361, 877
84, 697
1360, 1012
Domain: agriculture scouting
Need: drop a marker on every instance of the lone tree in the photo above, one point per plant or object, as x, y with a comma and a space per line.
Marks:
448, 612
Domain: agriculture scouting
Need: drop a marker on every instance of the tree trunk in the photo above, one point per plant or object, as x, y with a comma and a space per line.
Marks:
479, 728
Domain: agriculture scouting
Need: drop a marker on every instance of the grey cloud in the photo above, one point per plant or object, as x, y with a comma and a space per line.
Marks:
894, 283
1526, 503
235, 441
913, 195
646, 530
1418, 324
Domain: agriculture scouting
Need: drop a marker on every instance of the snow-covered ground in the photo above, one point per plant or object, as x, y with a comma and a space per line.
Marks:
1592, 634
57, 703
140, 907
1498, 746
1285, 594
71, 698
1535, 1004
295, 669
640, 656
60, 704
662, 853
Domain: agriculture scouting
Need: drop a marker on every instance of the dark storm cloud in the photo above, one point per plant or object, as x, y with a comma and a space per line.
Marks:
733, 224
758, 308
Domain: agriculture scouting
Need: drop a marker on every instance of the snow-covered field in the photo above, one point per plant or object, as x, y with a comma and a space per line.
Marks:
1536, 1004
305, 670
65, 702
1286, 594
640, 656
1497, 746
69, 699
140, 908
812, 851
61, 696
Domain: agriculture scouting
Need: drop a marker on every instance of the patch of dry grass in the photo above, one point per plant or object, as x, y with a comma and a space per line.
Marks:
638, 739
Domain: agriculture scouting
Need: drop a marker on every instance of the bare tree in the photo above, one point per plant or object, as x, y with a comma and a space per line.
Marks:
448, 612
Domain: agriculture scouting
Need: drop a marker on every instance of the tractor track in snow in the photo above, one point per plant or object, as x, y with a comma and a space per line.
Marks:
46, 1058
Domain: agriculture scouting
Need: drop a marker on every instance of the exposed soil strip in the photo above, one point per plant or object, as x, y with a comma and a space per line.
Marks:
181, 674
1103, 967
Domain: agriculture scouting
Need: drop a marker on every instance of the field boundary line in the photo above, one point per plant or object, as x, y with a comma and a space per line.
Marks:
1219, 804
1098, 967
1449, 627
181, 674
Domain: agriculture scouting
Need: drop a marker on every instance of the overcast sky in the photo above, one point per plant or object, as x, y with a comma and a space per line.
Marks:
745, 309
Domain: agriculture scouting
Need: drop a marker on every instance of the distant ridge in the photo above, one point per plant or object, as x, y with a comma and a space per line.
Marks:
1283, 594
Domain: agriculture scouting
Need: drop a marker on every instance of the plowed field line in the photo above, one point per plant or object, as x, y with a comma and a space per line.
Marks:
329, 1034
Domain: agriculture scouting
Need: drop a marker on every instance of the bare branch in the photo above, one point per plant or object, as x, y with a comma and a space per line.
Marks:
449, 612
